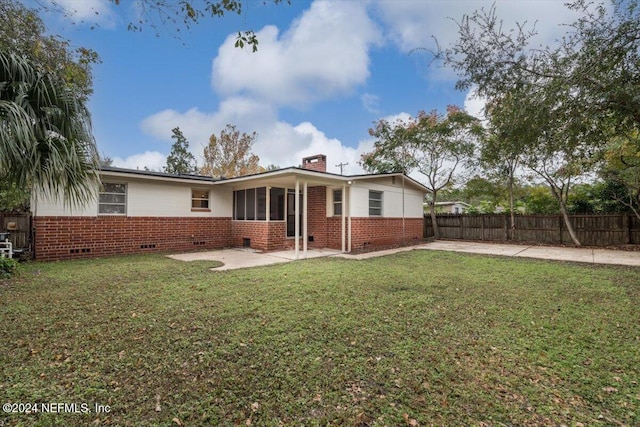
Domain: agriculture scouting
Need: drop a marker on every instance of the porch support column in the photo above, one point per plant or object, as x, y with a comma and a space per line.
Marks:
296, 233
267, 212
344, 228
268, 207
347, 200
305, 229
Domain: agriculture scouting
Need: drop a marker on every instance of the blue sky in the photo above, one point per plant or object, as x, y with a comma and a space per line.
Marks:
324, 72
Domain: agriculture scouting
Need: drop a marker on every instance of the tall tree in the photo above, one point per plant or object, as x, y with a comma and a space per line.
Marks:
180, 160
576, 94
23, 33
229, 155
45, 133
433, 144
503, 144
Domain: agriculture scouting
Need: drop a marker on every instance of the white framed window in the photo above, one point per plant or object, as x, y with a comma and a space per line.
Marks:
375, 203
337, 202
112, 199
199, 199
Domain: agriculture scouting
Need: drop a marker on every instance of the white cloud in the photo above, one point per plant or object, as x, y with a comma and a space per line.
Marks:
153, 160
90, 11
370, 102
474, 104
278, 142
413, 24
197, 126
324, 53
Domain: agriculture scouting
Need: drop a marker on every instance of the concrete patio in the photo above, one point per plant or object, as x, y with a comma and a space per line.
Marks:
245, 258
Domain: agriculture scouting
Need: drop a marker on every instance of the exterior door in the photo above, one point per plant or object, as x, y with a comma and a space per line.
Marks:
291, 213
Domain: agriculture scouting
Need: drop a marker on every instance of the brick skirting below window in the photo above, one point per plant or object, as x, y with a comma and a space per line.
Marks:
64, 237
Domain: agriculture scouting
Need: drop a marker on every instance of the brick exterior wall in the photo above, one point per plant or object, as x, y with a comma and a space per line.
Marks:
264, 236
67, 237
375, 233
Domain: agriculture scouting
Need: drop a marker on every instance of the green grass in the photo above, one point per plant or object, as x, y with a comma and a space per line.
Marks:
418, 338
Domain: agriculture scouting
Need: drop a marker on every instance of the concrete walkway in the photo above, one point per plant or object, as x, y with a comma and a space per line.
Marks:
588, 255
244, 258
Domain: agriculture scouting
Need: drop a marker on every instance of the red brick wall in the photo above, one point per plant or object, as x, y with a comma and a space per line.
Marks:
374, 232
265, 236
82, 237
317, 216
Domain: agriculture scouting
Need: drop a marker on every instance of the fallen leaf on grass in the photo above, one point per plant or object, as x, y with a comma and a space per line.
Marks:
177, 421
410, 421
610, 389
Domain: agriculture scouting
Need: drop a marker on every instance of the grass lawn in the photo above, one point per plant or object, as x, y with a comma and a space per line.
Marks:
418, 338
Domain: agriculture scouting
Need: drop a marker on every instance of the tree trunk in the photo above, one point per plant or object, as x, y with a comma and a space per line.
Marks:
434, 220
565, 216
511, 210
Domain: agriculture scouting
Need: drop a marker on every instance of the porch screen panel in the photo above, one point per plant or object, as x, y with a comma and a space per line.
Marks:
277, 204
251, 204
239, 204
261, 200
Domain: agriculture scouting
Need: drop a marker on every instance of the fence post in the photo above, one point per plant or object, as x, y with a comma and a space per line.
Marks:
626, 228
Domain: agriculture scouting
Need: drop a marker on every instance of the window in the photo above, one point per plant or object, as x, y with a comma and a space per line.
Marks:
261, 200
112, 199
276, 205
375, 203
337, 202
199, 199
251, 204
238, 204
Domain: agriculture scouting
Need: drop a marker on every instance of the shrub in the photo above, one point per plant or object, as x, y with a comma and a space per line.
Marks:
8, 267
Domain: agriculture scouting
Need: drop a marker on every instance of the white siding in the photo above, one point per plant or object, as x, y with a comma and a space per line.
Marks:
149, 198
44, 205
392, 198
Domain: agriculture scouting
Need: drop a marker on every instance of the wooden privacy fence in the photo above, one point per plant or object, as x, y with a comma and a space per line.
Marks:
592, 230
18, 224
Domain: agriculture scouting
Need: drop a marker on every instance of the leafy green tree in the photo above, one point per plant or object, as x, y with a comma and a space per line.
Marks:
23, 33
539, 200
180, 160
13, 198
45, 133
433, 144
621, 171
572, 96
230, 155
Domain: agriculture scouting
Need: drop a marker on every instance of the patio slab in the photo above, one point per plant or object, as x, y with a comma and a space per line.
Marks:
245, 258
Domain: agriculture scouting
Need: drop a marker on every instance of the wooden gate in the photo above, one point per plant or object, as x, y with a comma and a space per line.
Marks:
18, 224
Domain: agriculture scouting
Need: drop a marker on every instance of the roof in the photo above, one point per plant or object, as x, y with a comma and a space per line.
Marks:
290, 171
452, 203
110, 170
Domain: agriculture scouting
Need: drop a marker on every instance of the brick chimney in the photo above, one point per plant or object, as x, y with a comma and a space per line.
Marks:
315, 163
